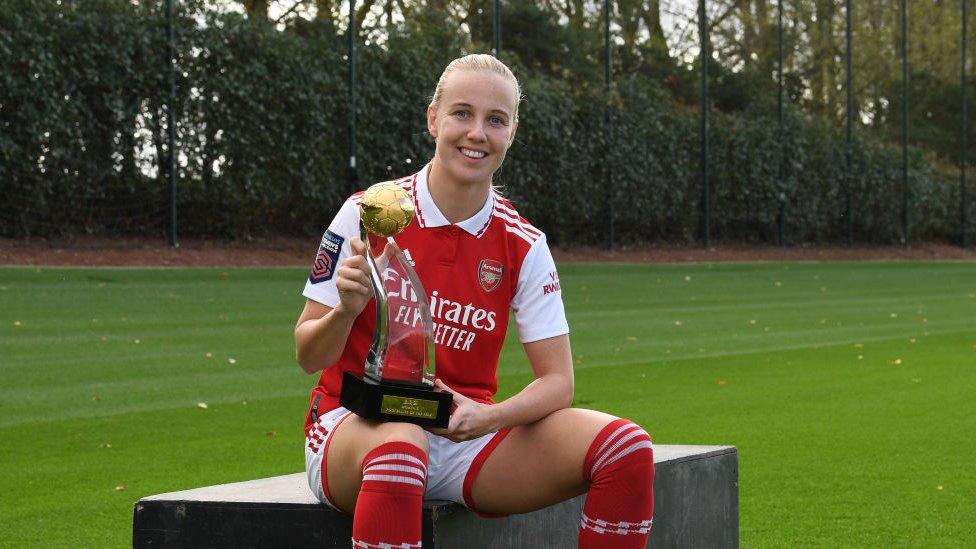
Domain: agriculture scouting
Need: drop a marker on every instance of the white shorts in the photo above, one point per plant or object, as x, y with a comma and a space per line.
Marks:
451, 470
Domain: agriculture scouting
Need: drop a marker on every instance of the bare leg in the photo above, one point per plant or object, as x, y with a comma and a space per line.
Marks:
352, 440
538, 464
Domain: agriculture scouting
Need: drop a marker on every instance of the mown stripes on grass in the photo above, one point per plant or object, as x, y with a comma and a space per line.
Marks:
848, 388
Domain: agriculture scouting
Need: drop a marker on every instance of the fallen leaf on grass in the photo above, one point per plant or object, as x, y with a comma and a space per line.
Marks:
120, 488
631, 338
722, 382
271, 434
96, 397
105, 445
939, 488
209, 355
202, 405
232, 360
677, 323
18, 323
894, 315
911, 340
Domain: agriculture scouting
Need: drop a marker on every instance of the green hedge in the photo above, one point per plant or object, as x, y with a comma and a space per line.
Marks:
263, 139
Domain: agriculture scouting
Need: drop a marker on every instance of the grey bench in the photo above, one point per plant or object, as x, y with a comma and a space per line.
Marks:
696, 504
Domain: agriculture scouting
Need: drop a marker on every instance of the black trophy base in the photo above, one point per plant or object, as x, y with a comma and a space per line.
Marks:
390, 401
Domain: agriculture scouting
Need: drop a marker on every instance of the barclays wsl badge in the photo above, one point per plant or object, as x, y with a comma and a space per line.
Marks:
325, 260
490, 274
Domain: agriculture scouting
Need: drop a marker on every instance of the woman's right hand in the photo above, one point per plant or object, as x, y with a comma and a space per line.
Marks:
352, 280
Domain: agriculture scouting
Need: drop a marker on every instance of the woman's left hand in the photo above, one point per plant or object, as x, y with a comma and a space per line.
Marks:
469, 419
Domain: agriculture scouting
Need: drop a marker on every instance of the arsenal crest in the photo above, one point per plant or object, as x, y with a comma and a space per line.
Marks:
490, 274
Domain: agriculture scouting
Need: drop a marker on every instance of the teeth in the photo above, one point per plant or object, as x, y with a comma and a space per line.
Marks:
472, 154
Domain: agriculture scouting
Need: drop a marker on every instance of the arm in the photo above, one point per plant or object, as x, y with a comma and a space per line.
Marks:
321, 331
552, 390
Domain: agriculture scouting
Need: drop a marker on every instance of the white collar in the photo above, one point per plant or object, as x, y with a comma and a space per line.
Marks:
430, 215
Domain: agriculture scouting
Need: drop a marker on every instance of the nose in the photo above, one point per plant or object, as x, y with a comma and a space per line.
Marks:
476, 132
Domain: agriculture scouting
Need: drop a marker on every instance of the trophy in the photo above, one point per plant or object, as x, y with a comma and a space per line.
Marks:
398, 377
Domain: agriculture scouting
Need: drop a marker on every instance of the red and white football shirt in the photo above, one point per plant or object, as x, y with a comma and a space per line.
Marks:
474, 272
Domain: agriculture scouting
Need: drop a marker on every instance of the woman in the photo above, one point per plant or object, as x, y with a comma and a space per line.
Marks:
478, 259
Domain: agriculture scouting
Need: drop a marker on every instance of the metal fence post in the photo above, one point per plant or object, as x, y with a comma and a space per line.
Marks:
849, 153
781, 217
608, 124
353, 27
906, 234
171, 121
704, 54
963, 157
498, 29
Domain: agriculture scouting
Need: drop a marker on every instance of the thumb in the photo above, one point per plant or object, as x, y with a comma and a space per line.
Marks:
391, 249
357, 246
438, 384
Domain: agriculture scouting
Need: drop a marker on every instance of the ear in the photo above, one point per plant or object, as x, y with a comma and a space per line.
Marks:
432, 121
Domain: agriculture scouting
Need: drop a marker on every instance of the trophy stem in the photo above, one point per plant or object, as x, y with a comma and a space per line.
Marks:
374, 359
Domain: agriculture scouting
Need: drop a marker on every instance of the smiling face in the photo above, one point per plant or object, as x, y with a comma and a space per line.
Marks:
473, 122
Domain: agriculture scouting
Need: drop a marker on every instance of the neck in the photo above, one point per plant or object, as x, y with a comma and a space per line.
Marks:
457, 201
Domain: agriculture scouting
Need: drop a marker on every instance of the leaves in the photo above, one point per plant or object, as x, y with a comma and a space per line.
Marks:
263, 137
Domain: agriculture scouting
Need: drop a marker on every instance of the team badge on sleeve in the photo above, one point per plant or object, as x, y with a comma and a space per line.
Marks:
325, 261
490, 274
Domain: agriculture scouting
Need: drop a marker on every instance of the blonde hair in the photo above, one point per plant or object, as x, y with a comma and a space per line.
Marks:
478, 62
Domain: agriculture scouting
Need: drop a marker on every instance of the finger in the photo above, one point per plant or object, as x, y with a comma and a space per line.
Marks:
357, 262
345, 285
438, 384
354, 276
357, 246
391, 249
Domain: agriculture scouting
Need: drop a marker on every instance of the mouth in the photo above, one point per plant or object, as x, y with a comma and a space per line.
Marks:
472, 154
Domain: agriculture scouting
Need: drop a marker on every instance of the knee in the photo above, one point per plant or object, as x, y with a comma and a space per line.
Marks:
621, 449
402, 432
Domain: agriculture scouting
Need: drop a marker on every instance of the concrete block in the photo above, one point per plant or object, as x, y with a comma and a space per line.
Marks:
696, 505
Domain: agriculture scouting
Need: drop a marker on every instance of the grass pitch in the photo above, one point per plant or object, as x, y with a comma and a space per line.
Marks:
849, 389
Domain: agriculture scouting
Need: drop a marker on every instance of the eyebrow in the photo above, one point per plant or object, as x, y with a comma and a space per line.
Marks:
470, 106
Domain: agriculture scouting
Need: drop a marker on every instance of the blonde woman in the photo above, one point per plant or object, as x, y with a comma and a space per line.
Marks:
479, 260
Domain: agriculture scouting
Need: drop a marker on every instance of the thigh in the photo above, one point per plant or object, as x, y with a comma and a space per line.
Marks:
538, 464
352, 440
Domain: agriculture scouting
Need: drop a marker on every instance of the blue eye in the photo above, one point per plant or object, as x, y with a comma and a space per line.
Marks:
497, 120
461, 114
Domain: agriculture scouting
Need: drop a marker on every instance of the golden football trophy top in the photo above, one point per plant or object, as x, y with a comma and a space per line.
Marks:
385, 209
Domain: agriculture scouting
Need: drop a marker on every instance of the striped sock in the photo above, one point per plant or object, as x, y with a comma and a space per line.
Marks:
620, 503
388, 511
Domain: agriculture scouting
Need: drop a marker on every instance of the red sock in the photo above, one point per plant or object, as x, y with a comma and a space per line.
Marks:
390, 503
620, 504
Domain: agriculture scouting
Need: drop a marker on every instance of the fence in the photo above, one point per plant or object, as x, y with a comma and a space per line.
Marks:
275, 124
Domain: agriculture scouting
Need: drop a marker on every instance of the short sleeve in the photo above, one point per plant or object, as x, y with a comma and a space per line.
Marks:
334, 247
538, 301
